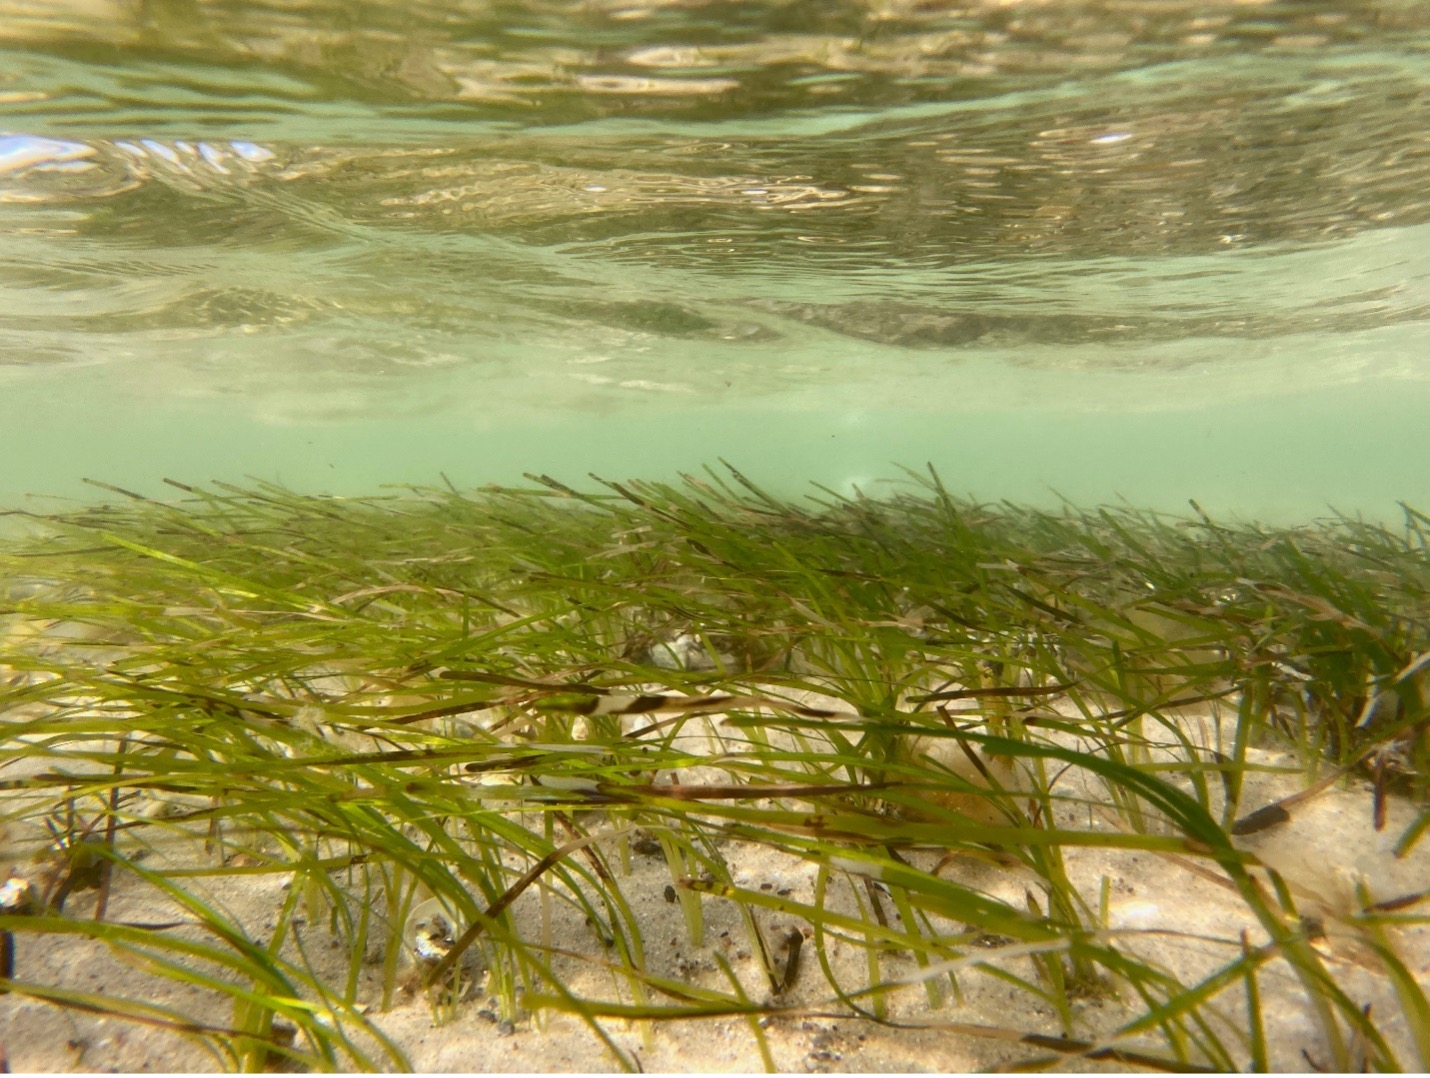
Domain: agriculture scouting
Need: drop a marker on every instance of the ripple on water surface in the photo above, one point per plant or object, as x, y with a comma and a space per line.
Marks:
341, 210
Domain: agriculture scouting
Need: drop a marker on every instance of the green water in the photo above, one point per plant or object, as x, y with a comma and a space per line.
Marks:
1144, 251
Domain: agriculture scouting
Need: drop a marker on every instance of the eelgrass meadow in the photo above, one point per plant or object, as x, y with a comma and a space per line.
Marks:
439, 716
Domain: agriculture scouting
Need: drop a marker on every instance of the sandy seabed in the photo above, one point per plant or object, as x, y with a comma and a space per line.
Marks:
1181, 916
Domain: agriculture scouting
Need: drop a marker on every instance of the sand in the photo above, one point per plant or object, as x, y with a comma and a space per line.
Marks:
1172, 912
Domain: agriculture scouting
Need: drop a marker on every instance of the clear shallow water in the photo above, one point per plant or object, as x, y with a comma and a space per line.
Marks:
1152, 251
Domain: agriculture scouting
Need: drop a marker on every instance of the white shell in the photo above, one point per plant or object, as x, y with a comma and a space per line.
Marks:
430, 931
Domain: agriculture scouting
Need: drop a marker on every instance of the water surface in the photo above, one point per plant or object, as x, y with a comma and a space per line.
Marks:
1152, 250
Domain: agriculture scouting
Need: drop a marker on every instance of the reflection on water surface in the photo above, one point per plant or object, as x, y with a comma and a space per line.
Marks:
340, 209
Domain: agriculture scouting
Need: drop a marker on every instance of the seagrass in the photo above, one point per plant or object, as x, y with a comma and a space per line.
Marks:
433, 711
